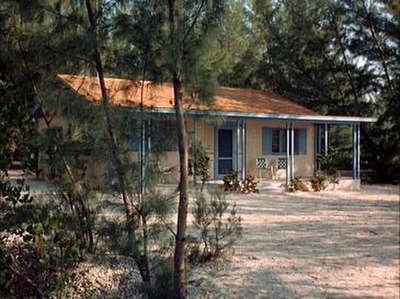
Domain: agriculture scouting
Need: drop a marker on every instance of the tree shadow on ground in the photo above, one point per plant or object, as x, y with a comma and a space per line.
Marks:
326, 246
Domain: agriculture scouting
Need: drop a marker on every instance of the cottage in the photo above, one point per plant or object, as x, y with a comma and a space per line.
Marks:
252, 132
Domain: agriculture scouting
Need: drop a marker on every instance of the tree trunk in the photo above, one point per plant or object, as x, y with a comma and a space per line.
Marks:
142, 261
346, 64
105, 102
179, 257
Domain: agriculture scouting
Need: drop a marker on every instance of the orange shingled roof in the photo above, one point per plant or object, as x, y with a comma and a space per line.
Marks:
127, 93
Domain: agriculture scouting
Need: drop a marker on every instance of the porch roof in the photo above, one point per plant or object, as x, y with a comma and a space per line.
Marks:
229, 102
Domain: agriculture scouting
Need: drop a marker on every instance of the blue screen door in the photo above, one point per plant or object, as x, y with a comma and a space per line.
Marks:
225, 141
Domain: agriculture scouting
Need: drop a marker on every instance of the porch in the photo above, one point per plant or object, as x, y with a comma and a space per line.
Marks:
273, 149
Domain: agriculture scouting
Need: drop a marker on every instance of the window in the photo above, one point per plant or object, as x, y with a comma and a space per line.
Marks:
160, 135
133, 139
300, 141
274, 141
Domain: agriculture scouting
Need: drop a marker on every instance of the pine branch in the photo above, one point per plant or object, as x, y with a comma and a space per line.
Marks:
37, 289
346, 63
189, 31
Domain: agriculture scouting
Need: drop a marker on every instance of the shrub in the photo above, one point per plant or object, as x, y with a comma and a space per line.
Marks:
334, 179
318, 182
38, 249
249, 185
329, 164
231, 182
14, 193
199, 164
297, 184
217, 227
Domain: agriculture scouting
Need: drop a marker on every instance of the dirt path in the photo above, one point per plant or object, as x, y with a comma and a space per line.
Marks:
332, 244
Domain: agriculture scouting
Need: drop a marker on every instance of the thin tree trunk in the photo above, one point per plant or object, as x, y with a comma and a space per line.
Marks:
378, 46
142, 261
179, 255
346, 65
106, 106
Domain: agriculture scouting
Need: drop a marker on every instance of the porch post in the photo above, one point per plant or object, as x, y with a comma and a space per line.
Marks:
356, 151
195, 127
142, 154
326, 139
292, 151
243, 149
149, 123
317, 146
194, 148
288, 168
238, 159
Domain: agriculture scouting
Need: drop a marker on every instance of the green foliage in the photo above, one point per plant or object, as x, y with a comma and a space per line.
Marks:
14, 193
39, 247
318, 182
147, 240
199, 163
297, 184
154, 209
16, 129
329, 164
163, 283
383, 155
329, 161
336, 57
217, 226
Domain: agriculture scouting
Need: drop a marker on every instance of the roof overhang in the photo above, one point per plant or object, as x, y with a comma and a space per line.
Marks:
279, 117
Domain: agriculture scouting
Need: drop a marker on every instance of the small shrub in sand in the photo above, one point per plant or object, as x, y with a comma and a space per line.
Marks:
297, 184
233, 184
217, 227
318, 182
249, 185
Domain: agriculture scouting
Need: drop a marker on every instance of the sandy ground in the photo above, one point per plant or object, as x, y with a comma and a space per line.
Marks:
331, 244
335, 244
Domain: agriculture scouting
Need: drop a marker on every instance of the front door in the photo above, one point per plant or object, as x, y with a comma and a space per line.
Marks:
225, 151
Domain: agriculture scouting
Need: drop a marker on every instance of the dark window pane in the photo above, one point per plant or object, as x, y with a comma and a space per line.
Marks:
282, 133
275, 141
300, 142
278, 141
225, 166
225, 143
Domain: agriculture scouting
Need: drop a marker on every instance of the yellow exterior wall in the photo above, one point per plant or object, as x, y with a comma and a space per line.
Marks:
170, 160
57, 121
95, 171
205, 133
303, 164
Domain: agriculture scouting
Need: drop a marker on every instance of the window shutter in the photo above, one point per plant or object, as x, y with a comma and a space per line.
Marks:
302, 142
267, 141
